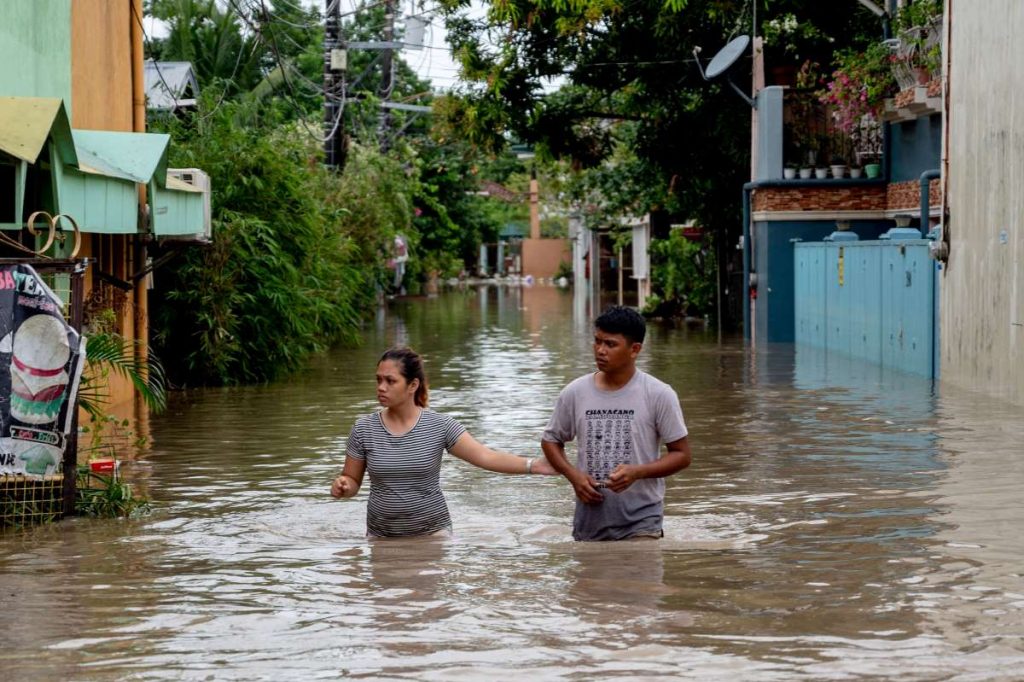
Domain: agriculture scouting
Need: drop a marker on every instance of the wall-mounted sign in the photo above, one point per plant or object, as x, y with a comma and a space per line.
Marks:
41, 358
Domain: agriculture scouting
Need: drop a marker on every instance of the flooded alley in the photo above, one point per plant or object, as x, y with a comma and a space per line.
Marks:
838, 522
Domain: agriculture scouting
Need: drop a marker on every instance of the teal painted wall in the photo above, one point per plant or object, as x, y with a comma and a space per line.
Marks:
99, 204
175, 213
35, 49
773, 262
916, 147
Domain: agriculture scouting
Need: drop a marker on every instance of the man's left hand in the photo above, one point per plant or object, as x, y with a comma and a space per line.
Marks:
622, 477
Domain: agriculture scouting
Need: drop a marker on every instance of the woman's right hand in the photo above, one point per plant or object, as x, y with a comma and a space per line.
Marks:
343, 486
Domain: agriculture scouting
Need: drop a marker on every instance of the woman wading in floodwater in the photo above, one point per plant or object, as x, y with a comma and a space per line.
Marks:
401, 447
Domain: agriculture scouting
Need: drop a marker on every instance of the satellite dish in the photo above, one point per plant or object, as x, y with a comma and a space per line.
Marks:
722, 62
727, 56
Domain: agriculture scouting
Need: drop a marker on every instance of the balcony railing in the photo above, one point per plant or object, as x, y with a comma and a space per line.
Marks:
814, 139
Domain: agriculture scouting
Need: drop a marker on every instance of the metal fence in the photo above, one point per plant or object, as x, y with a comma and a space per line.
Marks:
812, 137
872, 300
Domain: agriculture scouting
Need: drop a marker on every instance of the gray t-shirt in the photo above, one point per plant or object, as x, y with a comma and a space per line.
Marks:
625, 426
405, 473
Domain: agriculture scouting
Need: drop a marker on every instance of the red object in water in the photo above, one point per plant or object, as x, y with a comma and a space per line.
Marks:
103, 466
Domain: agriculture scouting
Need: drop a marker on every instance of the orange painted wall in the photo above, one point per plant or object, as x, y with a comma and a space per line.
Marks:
541, 257
101, 64
101, 92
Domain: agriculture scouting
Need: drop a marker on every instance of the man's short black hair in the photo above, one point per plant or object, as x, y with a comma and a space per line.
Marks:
619, 319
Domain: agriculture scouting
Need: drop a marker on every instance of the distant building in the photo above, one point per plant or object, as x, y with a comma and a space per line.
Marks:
836, 297
923, 271
170, 85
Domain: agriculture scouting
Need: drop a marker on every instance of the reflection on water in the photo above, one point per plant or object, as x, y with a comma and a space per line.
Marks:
838, 521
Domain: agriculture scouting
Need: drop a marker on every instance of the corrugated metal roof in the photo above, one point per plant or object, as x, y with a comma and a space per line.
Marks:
138, 157
166, 82
26, 123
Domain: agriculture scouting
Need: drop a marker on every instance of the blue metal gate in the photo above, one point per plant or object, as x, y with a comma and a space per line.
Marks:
872, 300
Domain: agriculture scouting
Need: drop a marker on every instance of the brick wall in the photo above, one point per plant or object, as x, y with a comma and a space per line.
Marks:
895, 196
867, 198
907, 195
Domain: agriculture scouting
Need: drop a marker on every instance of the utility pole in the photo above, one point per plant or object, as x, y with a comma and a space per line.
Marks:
387, 65
334, 87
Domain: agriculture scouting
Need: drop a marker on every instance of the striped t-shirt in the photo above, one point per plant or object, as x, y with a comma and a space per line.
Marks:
405, 473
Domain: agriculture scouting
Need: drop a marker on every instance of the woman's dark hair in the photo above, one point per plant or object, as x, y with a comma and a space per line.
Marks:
619, 319
410, 364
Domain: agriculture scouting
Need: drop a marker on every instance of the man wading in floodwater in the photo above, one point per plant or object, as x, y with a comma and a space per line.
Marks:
621, 416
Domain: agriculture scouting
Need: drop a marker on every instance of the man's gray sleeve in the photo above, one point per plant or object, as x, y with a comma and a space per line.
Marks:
561, 427
669, 416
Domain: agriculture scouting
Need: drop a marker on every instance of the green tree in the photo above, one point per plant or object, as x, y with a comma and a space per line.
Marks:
286, 274
627, 79
212, 38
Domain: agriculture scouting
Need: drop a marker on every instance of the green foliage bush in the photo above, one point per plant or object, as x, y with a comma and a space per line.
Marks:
105, 496
683, 275
296, 250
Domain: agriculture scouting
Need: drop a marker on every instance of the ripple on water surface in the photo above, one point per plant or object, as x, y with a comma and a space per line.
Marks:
838, 522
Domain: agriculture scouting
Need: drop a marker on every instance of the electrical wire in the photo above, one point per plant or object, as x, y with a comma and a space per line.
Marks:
284, 74
262, 32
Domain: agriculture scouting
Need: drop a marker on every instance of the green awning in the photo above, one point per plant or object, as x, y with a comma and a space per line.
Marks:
101, 193
92, 175
27, 126
138, 157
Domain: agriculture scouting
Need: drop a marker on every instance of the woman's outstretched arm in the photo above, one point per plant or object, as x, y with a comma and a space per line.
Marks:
467, 448
347, 484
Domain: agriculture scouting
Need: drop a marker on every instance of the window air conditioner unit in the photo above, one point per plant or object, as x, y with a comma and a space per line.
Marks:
200, 180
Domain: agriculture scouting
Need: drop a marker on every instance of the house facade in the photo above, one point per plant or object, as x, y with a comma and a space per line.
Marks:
73, 142
918, 269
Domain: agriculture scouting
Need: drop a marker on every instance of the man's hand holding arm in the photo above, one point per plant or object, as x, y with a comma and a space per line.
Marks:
584, 485
675, 459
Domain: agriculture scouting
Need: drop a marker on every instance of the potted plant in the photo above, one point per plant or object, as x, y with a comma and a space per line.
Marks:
872, 170
859, 85
856, 171
917, 53
789, 172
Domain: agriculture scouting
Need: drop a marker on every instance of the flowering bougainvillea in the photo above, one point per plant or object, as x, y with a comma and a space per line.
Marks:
860, 81
854, 96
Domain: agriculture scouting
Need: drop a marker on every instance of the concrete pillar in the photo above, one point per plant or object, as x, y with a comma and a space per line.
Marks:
534, 207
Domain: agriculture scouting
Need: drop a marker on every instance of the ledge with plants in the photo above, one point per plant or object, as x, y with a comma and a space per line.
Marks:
915, 60
889, 81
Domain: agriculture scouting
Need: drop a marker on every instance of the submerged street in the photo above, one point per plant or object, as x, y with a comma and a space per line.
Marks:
838, 521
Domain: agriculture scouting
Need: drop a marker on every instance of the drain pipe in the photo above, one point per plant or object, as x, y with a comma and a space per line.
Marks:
747, 331
926, 179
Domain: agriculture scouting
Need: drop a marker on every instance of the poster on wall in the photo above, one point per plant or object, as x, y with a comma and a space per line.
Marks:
41, 358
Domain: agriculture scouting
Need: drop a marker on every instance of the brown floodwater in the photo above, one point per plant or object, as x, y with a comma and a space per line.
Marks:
838, 522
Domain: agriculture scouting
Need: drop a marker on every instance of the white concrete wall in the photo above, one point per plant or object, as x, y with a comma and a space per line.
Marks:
982, 290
